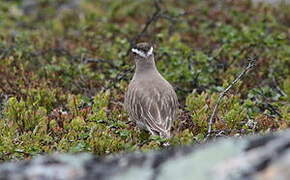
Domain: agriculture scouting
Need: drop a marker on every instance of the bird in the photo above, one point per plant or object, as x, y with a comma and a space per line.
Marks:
150, 100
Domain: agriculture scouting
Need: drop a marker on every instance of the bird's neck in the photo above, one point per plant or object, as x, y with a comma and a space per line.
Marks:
145, 67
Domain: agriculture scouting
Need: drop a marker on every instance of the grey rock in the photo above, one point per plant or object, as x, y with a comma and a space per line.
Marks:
256, 157
272, 1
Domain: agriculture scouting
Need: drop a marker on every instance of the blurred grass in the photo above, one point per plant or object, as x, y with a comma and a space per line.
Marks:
54, 98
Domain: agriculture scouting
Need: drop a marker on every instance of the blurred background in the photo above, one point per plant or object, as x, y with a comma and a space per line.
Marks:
64, 69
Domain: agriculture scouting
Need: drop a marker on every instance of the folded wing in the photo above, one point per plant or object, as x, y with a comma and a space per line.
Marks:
155, 111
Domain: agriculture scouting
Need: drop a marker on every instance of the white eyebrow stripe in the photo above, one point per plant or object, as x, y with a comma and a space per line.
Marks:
150, 51
141, 53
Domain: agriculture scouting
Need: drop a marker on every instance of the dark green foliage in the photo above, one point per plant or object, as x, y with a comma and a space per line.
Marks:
64, 70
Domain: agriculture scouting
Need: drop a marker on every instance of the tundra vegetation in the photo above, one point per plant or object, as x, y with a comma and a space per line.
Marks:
64, 69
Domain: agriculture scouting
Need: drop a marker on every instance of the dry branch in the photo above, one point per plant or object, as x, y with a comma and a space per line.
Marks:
156, 15
159, 13
250, 65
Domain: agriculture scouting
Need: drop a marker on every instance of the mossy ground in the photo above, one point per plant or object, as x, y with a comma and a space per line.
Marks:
54, 98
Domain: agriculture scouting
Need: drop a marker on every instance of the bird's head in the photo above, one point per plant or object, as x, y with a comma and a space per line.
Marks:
142, 51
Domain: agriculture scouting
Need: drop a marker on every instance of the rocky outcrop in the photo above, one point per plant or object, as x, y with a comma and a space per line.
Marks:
259, 157
272, 1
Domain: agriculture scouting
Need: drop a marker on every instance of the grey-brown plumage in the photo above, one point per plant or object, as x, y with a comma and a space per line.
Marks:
150, 100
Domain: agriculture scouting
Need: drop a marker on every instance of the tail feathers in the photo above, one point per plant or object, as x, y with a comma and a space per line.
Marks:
160, 132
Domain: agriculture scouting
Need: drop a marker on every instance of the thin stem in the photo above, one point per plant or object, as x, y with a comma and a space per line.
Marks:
250, 65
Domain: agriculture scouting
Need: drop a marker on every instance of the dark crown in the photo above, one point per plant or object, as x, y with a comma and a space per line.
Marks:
144, 47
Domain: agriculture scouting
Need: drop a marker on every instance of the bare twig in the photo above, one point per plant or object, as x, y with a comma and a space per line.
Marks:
276, 85
266, 104
281, 92
120, 76
159, 13
92, 60
250, 65
156, 15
